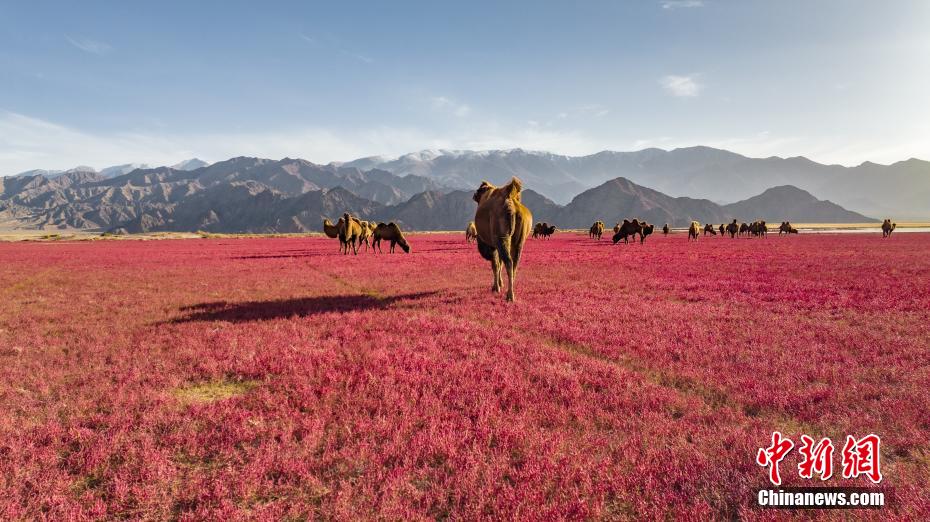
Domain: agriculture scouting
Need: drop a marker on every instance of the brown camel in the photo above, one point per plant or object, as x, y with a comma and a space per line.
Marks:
349, 233
665, 230
332, 231
367, 229
888, 227
389, 232
709, 229
645, 229
471, 233
732, 229
503, 225
723, 229
627, 229
597, 230
694, 230
543, 230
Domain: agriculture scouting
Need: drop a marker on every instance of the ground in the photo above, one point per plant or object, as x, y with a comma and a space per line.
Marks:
273, 378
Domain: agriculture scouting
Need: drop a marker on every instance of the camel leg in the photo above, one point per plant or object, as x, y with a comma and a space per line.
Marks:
503, 251
496, 272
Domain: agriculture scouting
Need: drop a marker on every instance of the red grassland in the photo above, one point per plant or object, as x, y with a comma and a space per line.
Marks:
271, 378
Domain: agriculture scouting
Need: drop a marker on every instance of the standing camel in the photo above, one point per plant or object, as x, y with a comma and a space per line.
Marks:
471, 233
503, 225
350, 232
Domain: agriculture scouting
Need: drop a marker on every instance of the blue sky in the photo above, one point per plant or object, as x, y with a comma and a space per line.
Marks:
103, 83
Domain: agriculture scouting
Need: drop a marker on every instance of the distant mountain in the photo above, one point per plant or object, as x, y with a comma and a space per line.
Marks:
119, 170
166, 198
621, 198
901, 190
793, 204
292, 195
190, 164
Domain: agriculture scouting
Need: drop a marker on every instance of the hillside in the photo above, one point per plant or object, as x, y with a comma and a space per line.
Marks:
292, 195
901, 189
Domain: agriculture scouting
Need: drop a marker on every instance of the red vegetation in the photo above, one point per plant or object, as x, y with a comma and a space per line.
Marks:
271, 378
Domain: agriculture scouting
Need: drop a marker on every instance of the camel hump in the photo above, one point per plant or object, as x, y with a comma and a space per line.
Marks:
513, 189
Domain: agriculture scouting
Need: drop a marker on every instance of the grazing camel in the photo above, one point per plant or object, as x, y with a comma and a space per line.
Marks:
743, 229
349, 233
471, 233
694, 230
732, 229
389, 232
888, 227
503, 224
597, 230
709, 229
625, 230
665, 230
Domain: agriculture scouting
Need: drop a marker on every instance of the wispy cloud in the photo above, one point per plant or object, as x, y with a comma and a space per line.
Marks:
442, 103
681, 86
89, 46
681, 4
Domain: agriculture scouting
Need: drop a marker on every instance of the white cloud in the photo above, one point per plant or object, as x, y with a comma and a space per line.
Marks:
442, 103
676, 4
28, 143
681, 86
89, 46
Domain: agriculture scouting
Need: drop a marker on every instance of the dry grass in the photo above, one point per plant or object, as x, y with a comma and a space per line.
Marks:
212, 391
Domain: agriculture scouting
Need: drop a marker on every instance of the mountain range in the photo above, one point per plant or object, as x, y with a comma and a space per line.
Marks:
901, 190
293, 195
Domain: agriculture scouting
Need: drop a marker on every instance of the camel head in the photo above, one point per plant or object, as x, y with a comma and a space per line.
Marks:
482, 191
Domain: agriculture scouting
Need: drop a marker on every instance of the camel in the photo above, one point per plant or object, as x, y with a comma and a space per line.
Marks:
503, 225
786, 228
665, 230
743, 229
888, 227
471, 233
625, 230
389, 232
645, 229
367, 229
543, 230
723, 229
332, 231
732, 229
597, 230
694, 230
709, 229
349, 233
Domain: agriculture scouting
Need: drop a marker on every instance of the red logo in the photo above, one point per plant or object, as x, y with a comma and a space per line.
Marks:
861, 457
773, 455
817, 459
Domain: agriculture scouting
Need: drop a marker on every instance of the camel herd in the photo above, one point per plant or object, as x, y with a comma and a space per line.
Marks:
354, 232
502, 224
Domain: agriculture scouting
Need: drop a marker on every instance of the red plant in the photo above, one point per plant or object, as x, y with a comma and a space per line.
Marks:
270, 378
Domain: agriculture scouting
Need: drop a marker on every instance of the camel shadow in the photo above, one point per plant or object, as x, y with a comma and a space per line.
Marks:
250, 311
